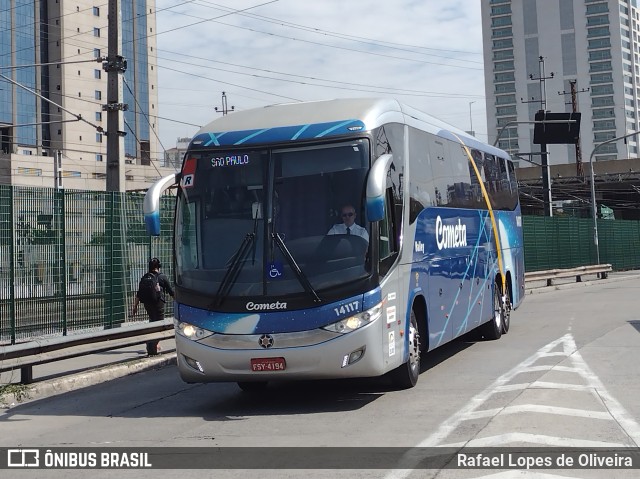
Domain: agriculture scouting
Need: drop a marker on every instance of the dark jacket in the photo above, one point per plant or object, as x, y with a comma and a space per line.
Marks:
165, 287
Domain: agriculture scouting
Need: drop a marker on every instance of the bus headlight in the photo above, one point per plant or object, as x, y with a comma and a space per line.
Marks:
354, 322
190, 331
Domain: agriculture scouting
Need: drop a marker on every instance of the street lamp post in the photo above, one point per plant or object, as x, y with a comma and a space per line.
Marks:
470, 117
593, 189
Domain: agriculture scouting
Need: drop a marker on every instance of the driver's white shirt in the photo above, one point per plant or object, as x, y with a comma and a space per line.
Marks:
354, 229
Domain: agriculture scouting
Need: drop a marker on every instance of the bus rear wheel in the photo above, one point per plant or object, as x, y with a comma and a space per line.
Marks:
406, 375
252, 386
493, 328
506, 311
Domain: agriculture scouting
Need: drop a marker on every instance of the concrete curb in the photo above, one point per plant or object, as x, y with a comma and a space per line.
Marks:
61, 385
559, 287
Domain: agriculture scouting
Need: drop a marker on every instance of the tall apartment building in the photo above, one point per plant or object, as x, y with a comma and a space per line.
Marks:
534, 49
54, 48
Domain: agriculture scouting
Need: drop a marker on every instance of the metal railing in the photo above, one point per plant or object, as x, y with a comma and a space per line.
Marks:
27, 355
601, 270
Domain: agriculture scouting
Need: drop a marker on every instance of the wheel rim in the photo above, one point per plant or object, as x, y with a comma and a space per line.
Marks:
507, 312
414, 345
497, 309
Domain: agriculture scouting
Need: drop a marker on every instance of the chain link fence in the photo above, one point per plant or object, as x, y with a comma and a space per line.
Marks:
70, 260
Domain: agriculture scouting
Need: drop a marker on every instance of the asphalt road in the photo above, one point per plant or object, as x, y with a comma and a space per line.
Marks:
565, 376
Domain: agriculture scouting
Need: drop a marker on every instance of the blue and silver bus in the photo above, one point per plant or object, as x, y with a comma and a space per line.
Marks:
265, 293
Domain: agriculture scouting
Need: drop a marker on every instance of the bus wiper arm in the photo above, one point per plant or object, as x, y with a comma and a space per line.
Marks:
234, 269
304, 281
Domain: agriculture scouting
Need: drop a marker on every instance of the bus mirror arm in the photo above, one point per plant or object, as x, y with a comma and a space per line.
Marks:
151, 205
376, 186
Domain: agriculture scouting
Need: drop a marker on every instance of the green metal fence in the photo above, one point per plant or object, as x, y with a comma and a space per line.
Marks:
70, 261
566, 242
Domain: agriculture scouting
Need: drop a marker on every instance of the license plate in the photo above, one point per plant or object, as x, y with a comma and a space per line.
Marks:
268, 364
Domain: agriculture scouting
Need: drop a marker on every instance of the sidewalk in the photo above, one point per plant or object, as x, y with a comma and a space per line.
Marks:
70, 374
535, 287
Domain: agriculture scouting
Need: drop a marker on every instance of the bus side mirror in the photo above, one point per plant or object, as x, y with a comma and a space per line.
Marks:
151, 205
376, 187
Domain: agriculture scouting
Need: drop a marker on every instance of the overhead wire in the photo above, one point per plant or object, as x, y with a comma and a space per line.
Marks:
145, 116
375, 42
240, 12
338, 84
267, 19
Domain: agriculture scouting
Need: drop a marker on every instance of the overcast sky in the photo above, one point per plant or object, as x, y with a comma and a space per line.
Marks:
425, 53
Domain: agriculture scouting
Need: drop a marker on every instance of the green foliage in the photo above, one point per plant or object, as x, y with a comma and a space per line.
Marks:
20, 392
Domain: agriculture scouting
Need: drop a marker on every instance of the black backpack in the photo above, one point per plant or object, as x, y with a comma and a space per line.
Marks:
149, 289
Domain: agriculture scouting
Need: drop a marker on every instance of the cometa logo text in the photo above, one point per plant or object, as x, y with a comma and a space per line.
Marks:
451, 235
265, 306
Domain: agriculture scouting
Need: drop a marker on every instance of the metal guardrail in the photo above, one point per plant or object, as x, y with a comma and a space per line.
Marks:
601, 270
46, 350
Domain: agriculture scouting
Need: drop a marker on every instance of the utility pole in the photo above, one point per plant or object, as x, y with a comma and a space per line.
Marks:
546, 173
224, 110
115, 66
59, 216
57, 170
574, 109
114, 298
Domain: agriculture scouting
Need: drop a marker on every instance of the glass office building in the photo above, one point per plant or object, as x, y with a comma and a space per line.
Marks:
535, 50
53, 48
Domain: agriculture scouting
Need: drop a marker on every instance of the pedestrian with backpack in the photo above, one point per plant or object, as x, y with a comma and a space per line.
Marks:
152, 291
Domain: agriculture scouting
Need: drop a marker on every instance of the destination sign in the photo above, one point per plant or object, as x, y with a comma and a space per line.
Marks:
229, 160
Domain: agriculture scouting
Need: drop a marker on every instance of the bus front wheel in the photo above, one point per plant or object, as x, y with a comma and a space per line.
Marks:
406, 375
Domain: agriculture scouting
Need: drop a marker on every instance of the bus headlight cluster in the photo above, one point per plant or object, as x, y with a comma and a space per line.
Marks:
190, 331
356, 321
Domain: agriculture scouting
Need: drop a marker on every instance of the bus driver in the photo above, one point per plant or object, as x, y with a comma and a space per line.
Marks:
348, 225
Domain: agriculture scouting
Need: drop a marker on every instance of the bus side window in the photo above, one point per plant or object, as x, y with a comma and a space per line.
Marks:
387, 228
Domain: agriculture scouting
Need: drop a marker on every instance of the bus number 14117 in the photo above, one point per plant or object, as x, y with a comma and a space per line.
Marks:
347, 308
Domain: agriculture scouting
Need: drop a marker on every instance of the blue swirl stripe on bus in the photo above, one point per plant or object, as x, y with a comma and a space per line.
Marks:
281, 133
474, 260
274, 321
512, 247
452, 243
478, 246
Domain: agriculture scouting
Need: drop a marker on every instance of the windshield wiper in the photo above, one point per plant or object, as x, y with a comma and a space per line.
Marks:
237, 262
304, 281
234, 268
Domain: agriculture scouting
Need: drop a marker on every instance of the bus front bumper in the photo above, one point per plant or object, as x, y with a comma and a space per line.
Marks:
355, 354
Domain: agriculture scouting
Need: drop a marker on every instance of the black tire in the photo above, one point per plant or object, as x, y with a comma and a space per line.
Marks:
492, 329
506, 311
252, 386
406, 375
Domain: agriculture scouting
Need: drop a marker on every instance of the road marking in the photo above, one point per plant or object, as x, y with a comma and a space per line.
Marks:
472, 410
525, 474
564, 411
538, 439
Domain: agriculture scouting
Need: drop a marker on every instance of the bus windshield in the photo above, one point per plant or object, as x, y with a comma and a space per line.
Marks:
255, 222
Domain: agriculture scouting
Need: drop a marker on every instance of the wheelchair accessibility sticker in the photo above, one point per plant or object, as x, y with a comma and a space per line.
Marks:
274, 270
